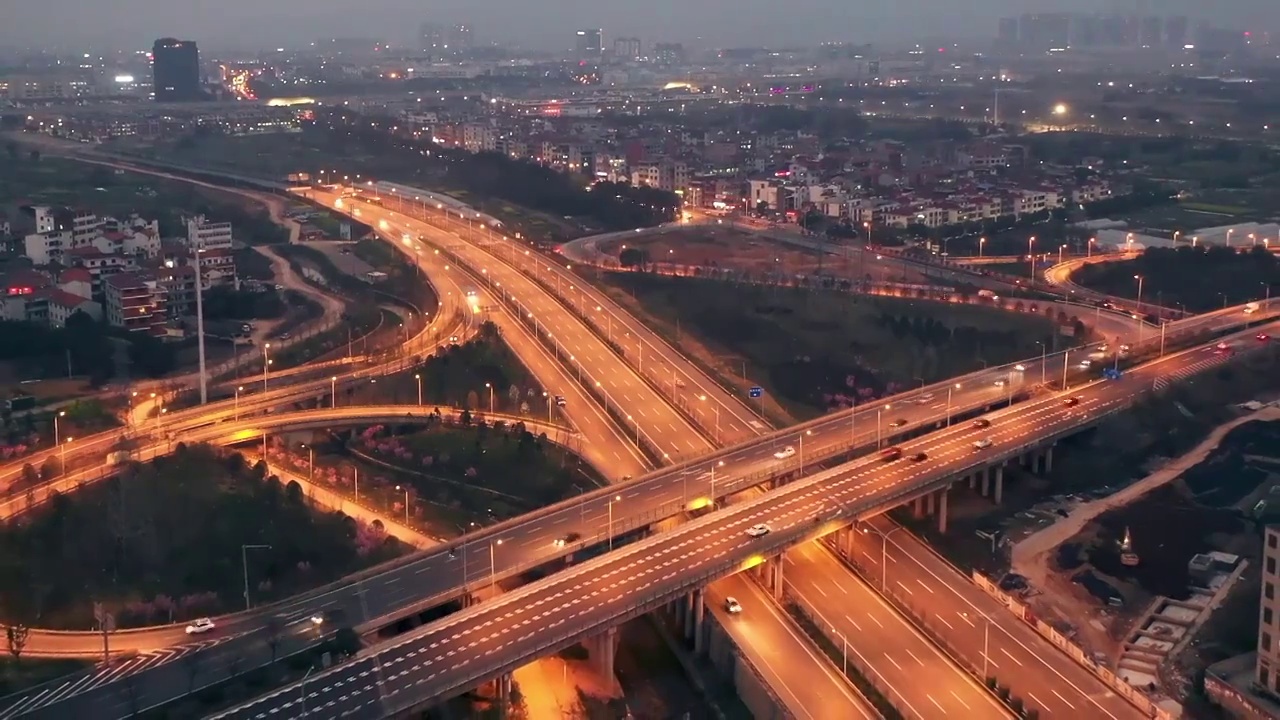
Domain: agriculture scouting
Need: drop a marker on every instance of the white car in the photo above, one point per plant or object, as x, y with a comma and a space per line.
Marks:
317, 619
756, 531
202, 625
785, 453
732, 606
982, 444
1086, 364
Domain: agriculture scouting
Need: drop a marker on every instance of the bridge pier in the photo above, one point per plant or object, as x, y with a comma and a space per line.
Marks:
699, 614
942, 511
602, 649
690, 604
917, 508
503, 687
929, 504
773, 576
1048, 460
997, 491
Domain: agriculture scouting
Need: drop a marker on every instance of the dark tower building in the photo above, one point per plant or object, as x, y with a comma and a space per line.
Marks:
175, 71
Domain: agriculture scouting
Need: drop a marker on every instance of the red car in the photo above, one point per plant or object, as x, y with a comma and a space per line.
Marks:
1262, 337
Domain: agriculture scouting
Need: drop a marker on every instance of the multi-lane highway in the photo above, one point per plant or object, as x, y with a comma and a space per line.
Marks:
910, 668
983, 629
496, 636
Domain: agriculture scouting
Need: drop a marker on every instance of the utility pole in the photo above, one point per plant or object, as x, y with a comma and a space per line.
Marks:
204, 380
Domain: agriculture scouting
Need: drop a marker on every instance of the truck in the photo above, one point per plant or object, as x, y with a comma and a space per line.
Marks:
1251, 308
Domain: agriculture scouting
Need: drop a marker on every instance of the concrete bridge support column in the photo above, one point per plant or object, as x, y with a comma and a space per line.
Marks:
699, 613
930, 507
503, 687
973, 481
602, 649
690, 603
917, 508
1048, 460
998, 490
986, 481
773, 576
942, 510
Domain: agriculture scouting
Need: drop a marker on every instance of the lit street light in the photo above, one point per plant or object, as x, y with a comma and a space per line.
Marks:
244, 563
615, 498
239, 389
418, 377
405, 490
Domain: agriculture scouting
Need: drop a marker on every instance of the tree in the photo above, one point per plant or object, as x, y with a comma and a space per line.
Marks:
632, 258
16, 636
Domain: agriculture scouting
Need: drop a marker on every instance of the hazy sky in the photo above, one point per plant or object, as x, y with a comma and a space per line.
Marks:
545, 24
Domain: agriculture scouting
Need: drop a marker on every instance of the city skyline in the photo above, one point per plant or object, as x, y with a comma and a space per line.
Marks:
242, 25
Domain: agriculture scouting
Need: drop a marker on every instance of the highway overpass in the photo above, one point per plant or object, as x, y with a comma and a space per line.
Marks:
584, 602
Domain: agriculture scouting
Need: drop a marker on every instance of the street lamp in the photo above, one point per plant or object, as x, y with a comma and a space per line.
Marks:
266, 363
879, 410
884, 549
981, 243
488, 385
949, 389
1044, 359
493, 566
311, 462
64, 454
239, 389
63, 413
405, 490
1031, 241
1089, 251
418, 377
1060, 249
615, 498
806, 432
244, 563
333, 391
1139, 278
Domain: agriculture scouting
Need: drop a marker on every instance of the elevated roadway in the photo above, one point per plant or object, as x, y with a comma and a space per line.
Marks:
494, 637
674, 375
649, 415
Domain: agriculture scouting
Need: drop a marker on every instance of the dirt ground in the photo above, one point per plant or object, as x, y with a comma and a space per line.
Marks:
728, 247
1168, 525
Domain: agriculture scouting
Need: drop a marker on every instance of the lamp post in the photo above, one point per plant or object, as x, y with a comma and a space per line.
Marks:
418, 377
1139, 278
63, 447
879, 410
311, 462
1044, 359
1031, 241
615, 498
244, 563
239, 389
405, 490
488, 385
806, 432
266, 363
493, 567
884, 550
333, 391
63, 413
1060, 249
1065, 355
1089, 247
981, 243
949, 389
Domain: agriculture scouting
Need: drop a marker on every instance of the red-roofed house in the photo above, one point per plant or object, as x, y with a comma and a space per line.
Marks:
77, 281
63, 305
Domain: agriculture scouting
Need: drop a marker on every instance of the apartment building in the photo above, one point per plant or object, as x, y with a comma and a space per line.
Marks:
665, 174
135, 302
208, 236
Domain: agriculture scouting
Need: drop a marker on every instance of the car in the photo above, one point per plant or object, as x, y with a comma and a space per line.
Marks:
982, 423
732, 606
1103, 347
560, 401
890, 454
1020, 367
317, 619
918, 457
982, 444
897, 423
1222, 349
1086, 364
202, 625
758, 530
283, 336
785, 453
1071, 401
1262, 337
926, 397
1125, 348
1000, 383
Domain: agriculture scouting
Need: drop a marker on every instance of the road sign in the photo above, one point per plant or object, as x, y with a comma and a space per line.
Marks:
756, 391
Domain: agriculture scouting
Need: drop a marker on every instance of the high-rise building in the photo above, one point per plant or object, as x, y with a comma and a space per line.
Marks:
432, 40
627, 48
175, 71
668, 53
461, 39
590, 43
1268, 670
